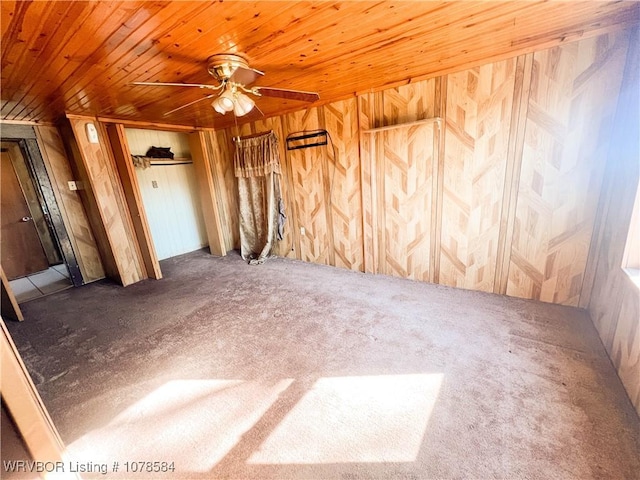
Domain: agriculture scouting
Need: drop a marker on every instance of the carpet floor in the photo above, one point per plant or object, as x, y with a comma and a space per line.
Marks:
292, 370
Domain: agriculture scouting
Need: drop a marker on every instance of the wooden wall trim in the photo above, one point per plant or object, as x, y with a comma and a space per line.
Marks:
26, 407
439, 133
344, 176
202, 164
519, 109
377, 215
47, 188
367, 180
124, 164
103, 196
69, 203
290, 195
17, 130
216, 152
422, 121
33, 123
327, 189
142, 124
10, 307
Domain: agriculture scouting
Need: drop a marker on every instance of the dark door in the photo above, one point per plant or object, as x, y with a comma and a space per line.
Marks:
20, 249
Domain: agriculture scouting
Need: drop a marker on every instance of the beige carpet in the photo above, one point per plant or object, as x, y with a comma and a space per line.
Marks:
296, 371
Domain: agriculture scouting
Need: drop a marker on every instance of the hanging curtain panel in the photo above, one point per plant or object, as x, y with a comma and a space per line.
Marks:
257, 166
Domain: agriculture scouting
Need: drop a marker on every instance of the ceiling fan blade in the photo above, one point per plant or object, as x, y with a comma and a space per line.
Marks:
162, 84
245, 76
189, 104
288, 94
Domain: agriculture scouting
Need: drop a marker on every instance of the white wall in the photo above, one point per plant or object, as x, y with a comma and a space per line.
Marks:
170, 194
140, 140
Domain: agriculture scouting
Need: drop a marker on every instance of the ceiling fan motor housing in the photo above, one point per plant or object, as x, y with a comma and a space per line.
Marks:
223, 65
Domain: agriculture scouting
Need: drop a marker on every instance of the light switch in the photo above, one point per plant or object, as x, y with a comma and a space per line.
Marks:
154, 184
72, 185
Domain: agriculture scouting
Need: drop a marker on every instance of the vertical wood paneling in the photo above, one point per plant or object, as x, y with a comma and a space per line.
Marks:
8, 301
440, 109
625, 347
207, 192
70, 204
408, 103
345, 198
571, 105
477, 135
103, 194
511, 201
308, 167
221, 155
404, 200
366, 121
519, 109
404, 104
612, 298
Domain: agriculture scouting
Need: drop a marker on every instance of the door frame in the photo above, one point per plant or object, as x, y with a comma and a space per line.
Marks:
25, 137
129, 181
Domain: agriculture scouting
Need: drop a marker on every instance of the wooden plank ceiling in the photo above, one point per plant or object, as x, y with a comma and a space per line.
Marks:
80, 57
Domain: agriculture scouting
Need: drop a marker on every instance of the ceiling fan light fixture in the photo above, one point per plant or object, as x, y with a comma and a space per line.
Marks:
224, 103
217, 107
243, 104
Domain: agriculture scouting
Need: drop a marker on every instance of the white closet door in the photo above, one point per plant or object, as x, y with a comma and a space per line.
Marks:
170, 197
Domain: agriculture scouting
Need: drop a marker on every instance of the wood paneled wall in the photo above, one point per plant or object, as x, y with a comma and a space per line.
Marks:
499, 196
104, 198
478, 124
612, 298
73, 213
219, 148
573, 95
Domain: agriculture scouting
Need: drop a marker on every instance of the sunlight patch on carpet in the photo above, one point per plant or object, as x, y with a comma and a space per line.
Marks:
195, 421
380, 418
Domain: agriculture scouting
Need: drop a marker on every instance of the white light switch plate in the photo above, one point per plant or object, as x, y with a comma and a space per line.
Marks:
72, 185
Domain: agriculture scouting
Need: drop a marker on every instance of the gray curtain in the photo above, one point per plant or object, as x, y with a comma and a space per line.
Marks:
257, 166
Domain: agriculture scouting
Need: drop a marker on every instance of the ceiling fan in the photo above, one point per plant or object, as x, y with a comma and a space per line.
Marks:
234, 74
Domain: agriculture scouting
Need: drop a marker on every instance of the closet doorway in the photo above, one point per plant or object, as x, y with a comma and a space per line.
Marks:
169, 191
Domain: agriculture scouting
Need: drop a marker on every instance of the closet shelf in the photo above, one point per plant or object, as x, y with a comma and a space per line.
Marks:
142, 161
